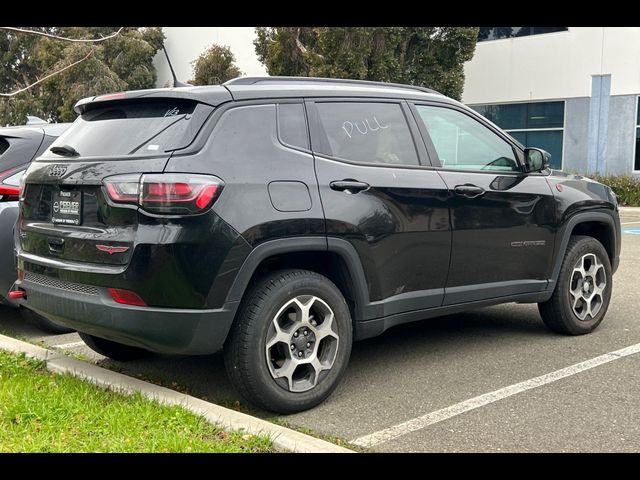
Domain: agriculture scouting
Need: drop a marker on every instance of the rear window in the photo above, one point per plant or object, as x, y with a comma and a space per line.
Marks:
141, 128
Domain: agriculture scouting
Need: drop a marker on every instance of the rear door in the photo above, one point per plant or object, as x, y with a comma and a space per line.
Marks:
380, 195
66, 213
502, 218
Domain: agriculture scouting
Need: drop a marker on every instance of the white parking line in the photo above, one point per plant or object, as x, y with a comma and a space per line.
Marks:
629, 223
482, 400
67, 345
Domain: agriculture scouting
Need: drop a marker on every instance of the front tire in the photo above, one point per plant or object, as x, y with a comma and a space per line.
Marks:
582, 294
291, 341
113, 350
44, 323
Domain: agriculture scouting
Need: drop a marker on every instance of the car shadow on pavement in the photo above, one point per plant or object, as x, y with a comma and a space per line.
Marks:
205, 377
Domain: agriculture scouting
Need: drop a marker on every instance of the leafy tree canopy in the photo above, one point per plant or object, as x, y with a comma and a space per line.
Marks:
427, 56
215, 66
120, 63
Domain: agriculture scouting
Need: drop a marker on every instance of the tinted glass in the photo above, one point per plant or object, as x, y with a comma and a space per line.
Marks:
545, 115
636, 165
522, 116
637, 159
4, 144
367, 132
549, 140
463, 143
140, 128
510, 116
495, 33
292, 125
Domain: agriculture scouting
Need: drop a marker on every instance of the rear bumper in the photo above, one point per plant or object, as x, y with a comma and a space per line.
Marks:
163, 330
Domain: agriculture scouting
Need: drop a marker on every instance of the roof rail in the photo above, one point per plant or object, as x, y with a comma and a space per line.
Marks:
275, 79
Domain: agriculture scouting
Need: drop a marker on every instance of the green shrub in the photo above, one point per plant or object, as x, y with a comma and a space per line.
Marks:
626, 187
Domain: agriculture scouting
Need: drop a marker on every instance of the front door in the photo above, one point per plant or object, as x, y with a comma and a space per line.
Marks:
502, 219
378, 197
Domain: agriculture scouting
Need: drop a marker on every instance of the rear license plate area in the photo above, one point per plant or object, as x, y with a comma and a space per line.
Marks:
67, 207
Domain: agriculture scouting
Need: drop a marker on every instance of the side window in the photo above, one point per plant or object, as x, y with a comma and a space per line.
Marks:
464, 143
367, 132
292, 125
4, 145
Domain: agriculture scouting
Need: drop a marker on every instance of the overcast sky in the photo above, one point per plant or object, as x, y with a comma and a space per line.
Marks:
185, 44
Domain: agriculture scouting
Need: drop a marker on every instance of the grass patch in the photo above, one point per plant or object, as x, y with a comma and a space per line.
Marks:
626, 188
45, 412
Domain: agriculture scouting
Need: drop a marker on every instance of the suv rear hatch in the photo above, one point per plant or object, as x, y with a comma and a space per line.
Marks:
66, 211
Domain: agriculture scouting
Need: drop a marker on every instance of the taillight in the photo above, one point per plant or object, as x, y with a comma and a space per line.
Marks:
9, 190
22, 185
165, 193
123, 188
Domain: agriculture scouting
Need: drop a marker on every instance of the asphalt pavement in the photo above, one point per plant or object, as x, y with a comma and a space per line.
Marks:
420, 383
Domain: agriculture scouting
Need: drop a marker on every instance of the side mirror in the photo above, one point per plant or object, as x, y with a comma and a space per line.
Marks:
536, 159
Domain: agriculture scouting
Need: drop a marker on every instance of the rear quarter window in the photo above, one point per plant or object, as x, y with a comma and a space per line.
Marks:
292, 125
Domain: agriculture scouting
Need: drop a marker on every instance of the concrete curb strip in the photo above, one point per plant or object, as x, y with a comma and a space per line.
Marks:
629, 209
283, 438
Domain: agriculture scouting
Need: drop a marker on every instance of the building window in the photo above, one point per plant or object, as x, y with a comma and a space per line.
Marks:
636, 165
496, 33
539, 124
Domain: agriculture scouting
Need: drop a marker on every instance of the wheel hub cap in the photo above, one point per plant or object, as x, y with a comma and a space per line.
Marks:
302, 343
587, 287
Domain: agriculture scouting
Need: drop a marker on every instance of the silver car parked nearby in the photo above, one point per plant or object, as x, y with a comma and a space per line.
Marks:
18, 147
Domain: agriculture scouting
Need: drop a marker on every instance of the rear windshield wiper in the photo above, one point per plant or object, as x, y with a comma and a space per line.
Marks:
178, 118
65, 151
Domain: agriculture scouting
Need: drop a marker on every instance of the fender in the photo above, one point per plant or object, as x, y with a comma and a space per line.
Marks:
304, 244
564, 234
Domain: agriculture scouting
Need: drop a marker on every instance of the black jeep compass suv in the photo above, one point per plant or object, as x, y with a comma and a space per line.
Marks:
282, 218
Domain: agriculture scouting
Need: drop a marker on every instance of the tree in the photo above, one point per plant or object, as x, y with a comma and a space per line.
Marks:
214, 66
124, 62
425, 56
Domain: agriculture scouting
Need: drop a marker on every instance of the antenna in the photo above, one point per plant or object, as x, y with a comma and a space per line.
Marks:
176, 82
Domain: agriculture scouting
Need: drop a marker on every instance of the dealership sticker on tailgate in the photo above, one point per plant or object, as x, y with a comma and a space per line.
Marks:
67, 207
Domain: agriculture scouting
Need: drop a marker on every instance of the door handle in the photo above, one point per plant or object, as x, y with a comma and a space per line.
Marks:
468, 190
349, 186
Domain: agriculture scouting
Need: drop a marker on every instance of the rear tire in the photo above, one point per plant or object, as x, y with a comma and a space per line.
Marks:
113, 350
43, 323
291, 341
582, 294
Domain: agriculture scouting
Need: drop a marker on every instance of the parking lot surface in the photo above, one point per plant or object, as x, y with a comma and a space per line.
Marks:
423, 387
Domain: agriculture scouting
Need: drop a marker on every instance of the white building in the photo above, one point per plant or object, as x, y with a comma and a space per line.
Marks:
570, 90
185, 44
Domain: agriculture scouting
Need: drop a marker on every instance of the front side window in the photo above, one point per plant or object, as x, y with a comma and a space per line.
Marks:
464, 143
367, 133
